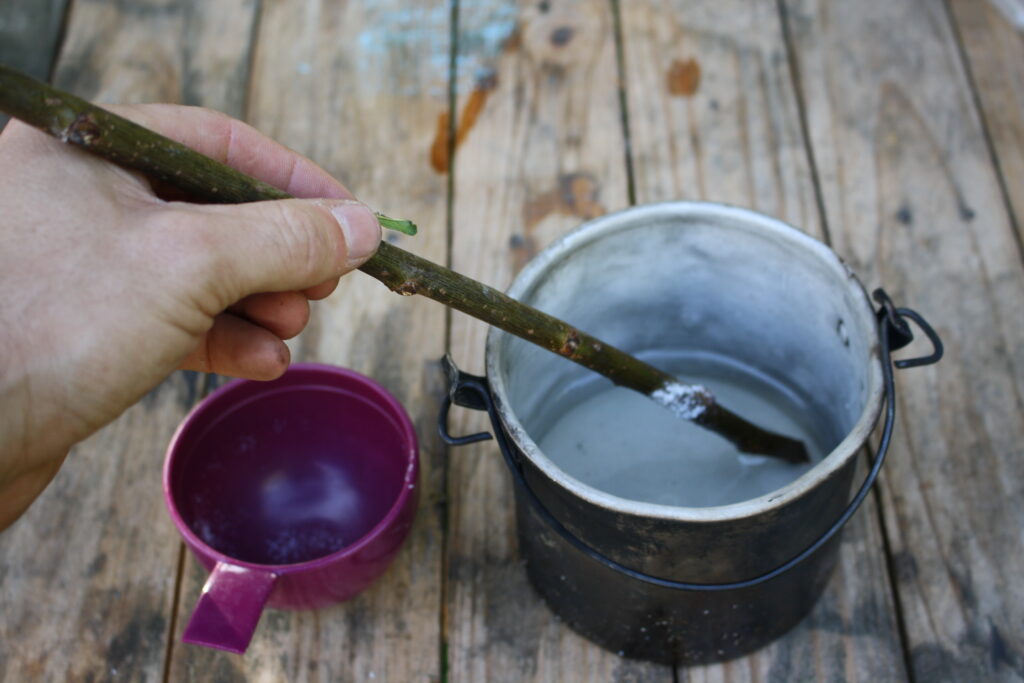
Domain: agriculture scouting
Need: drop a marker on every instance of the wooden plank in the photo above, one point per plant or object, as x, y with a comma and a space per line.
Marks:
30, 32
165, 50
712, 111
358, 86
87, 576
540, 150
995, 52
913, 203
714, 116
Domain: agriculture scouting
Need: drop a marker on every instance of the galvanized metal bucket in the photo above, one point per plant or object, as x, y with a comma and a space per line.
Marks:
685, 584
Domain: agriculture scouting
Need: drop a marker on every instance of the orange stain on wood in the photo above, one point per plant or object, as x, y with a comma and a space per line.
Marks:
474, 105
575, 195
683, 78
440, 149
514, 40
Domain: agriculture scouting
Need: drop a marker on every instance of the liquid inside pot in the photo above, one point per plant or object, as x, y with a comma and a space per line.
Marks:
622, 443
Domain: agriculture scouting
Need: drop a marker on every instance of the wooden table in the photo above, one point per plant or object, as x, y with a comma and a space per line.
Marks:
892, 129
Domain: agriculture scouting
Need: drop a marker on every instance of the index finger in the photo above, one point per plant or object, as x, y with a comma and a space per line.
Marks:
238, 145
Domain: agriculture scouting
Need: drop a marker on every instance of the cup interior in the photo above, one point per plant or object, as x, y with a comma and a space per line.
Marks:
292, 470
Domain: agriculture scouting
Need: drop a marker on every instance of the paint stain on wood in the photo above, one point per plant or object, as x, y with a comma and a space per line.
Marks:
440, 149
683, 77
576, 194
514, 40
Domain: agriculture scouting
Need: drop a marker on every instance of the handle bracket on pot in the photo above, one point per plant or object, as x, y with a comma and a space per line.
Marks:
468, 391
900, 333
472, 391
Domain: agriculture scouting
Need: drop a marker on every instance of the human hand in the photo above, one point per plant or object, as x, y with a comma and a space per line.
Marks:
108, 288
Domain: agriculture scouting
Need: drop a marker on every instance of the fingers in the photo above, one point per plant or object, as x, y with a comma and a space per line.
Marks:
322, 290
243, 147
238, 348
283, 313
231, 252
262, 259
238, 145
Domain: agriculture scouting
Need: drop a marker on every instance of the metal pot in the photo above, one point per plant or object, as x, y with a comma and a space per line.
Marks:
685, 584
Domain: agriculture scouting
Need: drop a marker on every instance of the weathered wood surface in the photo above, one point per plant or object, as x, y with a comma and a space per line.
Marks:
995, 62
88, 576
712, 110
357, 87
913, 203
875, 141
714, 116
541, 150
30, 32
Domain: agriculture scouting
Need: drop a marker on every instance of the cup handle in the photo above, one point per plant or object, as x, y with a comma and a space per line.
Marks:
230, 607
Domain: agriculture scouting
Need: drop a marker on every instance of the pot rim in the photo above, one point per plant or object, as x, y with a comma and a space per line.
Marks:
612, 222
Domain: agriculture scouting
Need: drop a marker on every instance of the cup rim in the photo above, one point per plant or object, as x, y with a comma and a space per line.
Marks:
383, 398
594, 229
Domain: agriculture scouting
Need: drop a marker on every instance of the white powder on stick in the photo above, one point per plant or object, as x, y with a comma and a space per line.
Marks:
687, 401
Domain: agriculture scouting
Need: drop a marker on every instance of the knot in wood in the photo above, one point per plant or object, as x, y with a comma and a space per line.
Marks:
572, 343
83, 131
407, 288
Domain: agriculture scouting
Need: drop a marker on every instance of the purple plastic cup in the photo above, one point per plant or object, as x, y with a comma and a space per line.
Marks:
295, 493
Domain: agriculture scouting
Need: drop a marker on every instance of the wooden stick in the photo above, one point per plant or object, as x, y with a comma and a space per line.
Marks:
128, 144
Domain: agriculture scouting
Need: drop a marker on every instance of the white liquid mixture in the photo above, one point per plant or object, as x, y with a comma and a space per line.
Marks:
625, 444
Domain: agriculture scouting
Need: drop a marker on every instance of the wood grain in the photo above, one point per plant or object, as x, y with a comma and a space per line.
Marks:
87, 577
712, 111
908, 195
734, 136
913, 203
995, 53
357, 87
182, 51
544, 154
30, 32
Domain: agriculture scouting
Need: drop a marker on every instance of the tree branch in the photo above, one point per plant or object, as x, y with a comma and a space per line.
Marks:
128, 144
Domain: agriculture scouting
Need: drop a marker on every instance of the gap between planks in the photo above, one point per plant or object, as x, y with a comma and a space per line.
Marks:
445, 511
894, 587
173, 623
868, 455
58, 44
620, 71
208, 384
974, 98
801, 108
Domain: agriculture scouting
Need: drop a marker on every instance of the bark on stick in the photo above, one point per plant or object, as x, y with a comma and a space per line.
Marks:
76, 121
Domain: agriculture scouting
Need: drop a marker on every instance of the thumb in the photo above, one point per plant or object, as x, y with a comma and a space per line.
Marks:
277, 246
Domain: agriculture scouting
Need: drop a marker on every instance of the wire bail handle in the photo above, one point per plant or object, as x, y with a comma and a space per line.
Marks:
472, 391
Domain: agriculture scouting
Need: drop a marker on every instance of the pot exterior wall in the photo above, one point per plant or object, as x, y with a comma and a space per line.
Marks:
672, 626
685, 275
